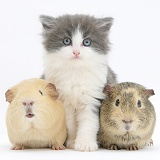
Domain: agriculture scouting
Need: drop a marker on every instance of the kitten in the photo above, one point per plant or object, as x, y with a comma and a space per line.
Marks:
75, 60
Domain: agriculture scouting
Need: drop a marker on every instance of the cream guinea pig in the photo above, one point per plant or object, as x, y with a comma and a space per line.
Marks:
35, 117
127, 117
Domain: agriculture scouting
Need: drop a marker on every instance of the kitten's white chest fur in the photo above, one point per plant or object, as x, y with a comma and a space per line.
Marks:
80, 81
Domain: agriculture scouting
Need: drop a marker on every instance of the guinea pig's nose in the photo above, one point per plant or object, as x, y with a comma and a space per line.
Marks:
28, 103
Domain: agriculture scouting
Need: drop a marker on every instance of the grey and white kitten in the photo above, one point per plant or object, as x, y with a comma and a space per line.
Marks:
75, 60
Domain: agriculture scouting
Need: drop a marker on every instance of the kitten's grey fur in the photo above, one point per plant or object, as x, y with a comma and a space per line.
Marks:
64, 26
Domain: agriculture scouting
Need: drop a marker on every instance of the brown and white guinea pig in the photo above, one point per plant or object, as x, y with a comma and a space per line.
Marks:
35, 117
127, 117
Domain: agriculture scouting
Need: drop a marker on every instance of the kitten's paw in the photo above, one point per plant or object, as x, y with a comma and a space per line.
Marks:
58, 147
86, 146
132, 148
70, 144
17, 147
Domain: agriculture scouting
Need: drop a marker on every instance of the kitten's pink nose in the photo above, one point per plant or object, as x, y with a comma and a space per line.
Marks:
28, 103
76, 53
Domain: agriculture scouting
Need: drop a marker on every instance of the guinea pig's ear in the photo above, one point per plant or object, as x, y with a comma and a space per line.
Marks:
51, 90
107, 90
149, 92
9, 95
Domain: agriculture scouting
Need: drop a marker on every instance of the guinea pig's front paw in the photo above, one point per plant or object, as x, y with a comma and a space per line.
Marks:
132, 148
150, 143
113, 147
18, 147
58, 147
86, 146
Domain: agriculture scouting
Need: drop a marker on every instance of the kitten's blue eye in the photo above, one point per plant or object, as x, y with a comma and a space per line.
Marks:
67, 41
86, 42
139, 103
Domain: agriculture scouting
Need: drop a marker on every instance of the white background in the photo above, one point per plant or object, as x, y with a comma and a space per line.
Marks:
135, 37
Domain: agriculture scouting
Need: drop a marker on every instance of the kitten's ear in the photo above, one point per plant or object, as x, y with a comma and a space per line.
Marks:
105, 23
47, 21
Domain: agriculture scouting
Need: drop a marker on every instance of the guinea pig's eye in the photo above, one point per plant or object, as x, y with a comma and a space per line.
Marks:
40, 92
139, 103
117, 102
67, 41
86, 42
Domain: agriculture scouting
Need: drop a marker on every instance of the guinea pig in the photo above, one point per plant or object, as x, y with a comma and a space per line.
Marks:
35, 117
127, 117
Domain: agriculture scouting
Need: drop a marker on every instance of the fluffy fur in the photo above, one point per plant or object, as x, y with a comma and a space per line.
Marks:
33, 115
79, 79
127, 117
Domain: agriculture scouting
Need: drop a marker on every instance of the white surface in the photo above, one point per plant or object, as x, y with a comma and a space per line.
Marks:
135, 38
